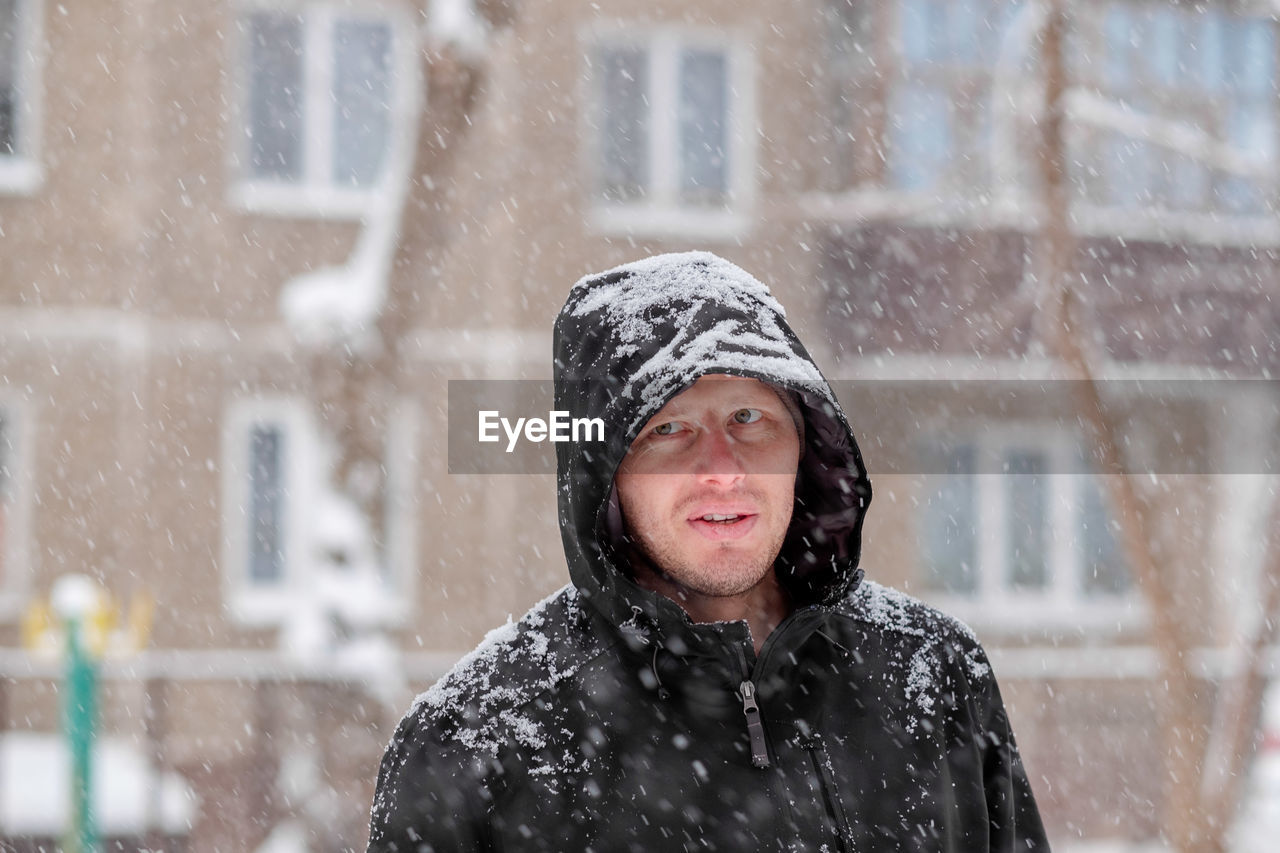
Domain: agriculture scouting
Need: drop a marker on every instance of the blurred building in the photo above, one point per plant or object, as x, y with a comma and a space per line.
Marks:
245, 245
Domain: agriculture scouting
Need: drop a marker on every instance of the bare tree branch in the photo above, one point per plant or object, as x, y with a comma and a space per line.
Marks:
1059, 328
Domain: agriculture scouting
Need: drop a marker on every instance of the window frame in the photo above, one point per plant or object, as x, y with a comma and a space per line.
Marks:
22, 173
662, 212
315, 196
995, 602
253, 603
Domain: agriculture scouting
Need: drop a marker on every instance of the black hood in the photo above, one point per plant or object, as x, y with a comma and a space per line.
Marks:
630, 339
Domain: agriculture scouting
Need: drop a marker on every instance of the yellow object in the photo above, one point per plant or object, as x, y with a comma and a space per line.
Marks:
103, 631
142, 608
100, 623
37, 622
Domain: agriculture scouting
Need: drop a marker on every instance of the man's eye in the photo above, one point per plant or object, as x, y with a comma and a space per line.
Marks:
669, 428
747, 416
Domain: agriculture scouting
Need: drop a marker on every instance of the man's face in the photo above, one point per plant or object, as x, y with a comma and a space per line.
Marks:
707, 487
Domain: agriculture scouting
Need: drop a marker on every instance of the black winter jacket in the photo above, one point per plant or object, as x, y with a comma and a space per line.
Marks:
606, 720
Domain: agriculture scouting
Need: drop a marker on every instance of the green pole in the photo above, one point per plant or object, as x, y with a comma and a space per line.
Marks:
80, 711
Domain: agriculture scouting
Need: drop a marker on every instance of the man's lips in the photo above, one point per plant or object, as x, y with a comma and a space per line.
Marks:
723, 524
720, 511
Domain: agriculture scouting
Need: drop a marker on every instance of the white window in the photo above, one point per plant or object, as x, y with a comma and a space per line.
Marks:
6, 493
400, 523
268, 473
19, 170
1012, 524
14, 577
321, 90
281, 525
670, 113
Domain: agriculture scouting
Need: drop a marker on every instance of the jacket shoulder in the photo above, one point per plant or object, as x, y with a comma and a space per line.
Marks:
893, 611
480, 703
938, 679
929, 652
441, 770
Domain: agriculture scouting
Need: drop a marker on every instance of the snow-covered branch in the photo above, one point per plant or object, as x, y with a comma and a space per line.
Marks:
1088, 107
341, 304
339, 618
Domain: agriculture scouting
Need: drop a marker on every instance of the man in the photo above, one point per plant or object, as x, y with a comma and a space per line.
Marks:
718, 675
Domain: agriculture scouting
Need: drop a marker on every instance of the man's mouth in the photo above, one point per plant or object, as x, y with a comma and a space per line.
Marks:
724, 526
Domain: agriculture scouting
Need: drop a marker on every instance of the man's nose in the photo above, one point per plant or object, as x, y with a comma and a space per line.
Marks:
718, 461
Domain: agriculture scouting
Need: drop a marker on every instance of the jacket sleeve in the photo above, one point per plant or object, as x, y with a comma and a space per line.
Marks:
1015, 823
433, 793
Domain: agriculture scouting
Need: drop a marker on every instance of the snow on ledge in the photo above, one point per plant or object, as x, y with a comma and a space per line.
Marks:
457, 23
35, 773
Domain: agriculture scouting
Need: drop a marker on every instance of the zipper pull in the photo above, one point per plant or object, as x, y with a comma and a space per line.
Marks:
755, 728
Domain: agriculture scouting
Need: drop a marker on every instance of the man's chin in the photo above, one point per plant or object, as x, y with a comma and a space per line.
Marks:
721, 576
697, 567
727, 556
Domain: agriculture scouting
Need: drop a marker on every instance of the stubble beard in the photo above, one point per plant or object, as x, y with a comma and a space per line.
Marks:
723, 575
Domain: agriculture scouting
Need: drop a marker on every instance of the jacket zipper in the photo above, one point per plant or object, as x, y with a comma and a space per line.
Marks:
755, 728
835, 808
747, 693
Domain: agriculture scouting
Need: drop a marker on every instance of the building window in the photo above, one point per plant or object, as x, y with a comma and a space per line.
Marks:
10, 96
7, 494
18, 117
1195, 99
1018, 521
950, 526
322, 91
624, 123
14, 520
1103, 570
668, 114
1171, 108
399, 534
938, 133
267, 503
286, 530
269, 473
703, 144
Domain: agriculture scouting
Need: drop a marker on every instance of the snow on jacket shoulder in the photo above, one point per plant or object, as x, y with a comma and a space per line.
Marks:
447, 761
606, 720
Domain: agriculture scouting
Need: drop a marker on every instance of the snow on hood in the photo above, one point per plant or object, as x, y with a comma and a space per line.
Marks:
746, 337
631, 338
